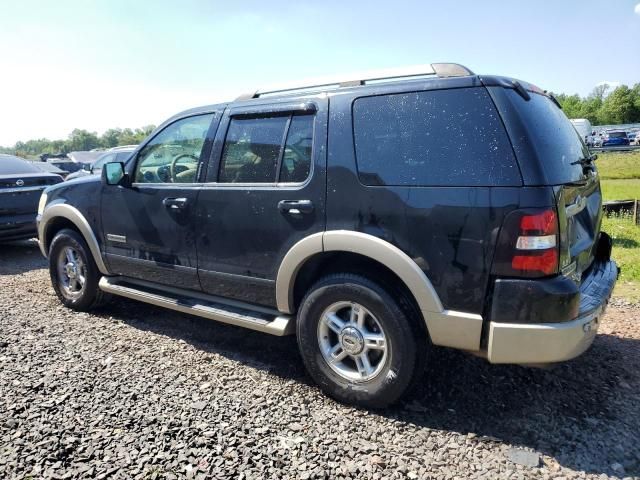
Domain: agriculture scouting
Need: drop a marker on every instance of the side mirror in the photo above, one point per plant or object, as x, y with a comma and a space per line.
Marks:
114, 174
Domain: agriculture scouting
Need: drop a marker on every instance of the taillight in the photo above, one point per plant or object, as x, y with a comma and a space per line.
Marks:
528, 244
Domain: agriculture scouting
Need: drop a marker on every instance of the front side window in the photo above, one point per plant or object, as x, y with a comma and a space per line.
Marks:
267, 149
173, 155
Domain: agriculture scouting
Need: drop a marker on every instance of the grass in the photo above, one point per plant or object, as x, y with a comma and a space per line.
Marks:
620, 173
626, 253
627, 189
619, 165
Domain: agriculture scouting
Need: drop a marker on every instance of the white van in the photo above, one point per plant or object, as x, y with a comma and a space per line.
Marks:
584, 128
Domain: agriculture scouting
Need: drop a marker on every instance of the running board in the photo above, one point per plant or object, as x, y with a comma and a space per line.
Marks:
233, 312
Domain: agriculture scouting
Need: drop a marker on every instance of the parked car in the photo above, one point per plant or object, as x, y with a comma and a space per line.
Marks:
66, 164
372, 216
634, 138
21, 183
118, 154
615, 138
46, 156
50, 168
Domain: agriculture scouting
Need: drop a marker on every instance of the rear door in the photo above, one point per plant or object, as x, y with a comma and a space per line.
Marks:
149, 227
265, 191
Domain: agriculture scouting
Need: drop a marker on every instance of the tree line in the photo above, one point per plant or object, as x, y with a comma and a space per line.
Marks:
80, 140
604, 105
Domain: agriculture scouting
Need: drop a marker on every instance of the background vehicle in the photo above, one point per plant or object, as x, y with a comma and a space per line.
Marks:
117, 154
634, 138
21, 183
66, 165
50, 168
614, 138
352, 212
584, 129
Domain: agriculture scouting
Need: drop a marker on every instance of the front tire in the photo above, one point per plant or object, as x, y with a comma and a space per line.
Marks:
356, 341
74, 273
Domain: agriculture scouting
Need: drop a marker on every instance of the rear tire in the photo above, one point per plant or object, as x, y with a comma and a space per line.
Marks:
74, 273
357, 343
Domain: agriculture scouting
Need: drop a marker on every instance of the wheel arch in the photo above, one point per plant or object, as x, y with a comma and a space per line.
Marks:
357, 243
445, 327
61, 215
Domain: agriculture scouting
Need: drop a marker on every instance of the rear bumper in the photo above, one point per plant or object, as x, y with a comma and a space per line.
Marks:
556, 340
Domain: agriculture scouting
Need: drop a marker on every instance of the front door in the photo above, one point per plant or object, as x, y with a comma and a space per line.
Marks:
148, 227
265, 190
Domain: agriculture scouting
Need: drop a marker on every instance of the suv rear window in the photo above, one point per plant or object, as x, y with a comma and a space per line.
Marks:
617, 135
433, 138
552, 136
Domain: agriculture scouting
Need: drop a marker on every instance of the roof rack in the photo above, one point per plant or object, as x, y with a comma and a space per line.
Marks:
441, 70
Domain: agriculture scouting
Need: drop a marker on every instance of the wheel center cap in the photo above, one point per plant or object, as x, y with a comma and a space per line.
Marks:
351, 340
71, 270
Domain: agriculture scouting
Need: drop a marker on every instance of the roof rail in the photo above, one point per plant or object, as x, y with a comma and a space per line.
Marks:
327, 83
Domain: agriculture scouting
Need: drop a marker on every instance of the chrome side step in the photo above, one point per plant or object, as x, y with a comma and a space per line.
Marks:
219, 309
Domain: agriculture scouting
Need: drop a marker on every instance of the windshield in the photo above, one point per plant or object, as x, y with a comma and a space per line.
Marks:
13, 165
552, 136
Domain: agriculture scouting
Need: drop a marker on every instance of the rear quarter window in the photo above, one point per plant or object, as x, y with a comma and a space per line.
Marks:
433, 138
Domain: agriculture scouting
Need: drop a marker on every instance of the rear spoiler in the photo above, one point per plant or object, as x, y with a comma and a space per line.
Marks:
521, 87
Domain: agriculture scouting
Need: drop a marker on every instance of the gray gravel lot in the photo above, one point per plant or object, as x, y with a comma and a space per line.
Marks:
133, 391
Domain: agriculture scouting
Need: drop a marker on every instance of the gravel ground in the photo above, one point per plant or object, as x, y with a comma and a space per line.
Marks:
133, 391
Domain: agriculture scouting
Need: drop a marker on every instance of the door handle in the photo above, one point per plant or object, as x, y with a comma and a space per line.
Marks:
295, 207
175, 203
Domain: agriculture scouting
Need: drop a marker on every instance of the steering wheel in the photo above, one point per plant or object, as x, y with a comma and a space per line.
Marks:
172, 167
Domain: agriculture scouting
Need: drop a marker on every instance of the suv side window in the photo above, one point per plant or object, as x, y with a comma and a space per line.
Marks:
267, 149
172, 156
433, 138
296, 163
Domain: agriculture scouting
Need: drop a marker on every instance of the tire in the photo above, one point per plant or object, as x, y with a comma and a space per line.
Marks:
390, 373
72, 292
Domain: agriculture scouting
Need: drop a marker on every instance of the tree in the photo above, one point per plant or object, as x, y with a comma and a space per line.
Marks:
600, 91
111, 138
572, 106
619, 107
83, 140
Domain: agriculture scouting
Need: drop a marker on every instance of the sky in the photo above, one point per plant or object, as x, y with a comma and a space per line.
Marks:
118, 63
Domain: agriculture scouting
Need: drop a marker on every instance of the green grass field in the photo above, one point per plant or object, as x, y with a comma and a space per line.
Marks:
620, 173
618, 165
627, 189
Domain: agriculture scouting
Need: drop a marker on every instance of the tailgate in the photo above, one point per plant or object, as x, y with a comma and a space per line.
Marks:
580, 216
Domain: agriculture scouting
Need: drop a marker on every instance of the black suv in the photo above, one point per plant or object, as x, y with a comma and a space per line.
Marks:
373, 217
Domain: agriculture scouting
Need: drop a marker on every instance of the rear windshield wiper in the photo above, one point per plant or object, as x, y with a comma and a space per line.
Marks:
586, 161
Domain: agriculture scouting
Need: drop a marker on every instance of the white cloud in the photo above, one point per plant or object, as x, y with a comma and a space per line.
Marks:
637, 9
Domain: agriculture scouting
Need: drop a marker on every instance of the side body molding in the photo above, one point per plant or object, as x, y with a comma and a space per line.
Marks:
446, 327
72, 214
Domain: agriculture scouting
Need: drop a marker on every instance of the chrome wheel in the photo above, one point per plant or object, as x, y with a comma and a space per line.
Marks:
72, 272
352, 341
